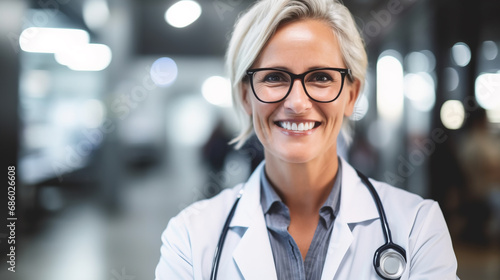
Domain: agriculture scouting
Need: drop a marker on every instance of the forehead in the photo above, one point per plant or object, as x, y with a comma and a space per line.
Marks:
302, 43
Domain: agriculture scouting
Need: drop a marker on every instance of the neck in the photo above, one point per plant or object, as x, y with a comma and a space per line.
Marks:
303, 187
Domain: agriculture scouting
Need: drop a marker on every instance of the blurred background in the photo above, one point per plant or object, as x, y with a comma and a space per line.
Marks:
116, 115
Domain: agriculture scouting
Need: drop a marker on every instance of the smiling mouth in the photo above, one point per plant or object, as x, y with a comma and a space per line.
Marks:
298, 126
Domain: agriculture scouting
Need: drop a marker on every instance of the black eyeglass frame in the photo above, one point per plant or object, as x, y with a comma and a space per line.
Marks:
343, 72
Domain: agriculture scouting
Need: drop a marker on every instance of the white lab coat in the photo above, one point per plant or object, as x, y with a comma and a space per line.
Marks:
417, 225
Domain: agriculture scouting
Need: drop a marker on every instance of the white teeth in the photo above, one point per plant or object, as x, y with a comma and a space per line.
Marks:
297, 127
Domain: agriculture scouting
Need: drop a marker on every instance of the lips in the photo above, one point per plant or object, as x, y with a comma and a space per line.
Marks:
297, 126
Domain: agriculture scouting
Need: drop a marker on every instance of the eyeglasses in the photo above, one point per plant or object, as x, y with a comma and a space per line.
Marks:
272, 85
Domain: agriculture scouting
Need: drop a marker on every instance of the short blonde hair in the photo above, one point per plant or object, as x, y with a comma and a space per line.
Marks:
255, 27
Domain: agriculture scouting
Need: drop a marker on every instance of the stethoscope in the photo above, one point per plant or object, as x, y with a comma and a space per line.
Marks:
389, 260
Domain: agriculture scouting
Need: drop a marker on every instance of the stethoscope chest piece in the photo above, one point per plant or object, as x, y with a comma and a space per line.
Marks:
389, 261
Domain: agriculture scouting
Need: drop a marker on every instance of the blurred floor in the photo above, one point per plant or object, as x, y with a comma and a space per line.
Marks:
82, 243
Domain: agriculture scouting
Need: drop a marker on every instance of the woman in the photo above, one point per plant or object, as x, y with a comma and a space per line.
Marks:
297, 68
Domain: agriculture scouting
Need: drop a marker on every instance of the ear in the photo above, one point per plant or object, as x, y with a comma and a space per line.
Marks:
245, 97
353, 93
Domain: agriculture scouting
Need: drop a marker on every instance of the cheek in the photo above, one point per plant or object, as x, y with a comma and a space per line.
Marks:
262, 111
335, 117
262, 116
341, 107
335, 110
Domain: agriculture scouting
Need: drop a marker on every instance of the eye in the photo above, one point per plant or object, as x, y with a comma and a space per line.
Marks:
320, 77
274, 77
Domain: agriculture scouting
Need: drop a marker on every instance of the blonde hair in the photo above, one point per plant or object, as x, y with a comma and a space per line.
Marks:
254, 28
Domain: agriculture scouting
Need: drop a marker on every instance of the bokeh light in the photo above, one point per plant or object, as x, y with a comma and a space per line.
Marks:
190, 121
183, 13
487, 90
390, 99
461, 54
420, 89
452, 114
217, 91
52, 40
163, 71
417, 62
489, 50
451, 79
95, 13
89, 57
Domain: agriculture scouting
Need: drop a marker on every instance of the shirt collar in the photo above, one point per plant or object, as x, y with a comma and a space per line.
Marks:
327, 212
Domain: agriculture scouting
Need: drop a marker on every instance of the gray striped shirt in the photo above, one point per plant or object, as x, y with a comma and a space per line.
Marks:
287, 257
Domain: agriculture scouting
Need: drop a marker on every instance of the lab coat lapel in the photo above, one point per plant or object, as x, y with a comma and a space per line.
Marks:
340, 241
356, 205
253, 254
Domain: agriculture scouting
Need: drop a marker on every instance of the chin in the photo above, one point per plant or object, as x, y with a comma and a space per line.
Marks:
294, 155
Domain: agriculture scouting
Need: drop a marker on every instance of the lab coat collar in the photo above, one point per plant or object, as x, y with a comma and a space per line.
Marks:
356, 202
249, 205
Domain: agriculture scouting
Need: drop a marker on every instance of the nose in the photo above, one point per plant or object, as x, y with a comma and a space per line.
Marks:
297, 100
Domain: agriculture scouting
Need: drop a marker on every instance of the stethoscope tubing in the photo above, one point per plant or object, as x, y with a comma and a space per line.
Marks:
380, 208
220, 244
